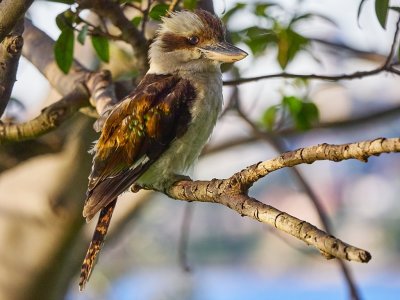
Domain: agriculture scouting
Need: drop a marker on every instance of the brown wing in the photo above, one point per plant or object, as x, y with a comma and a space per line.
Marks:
135, 134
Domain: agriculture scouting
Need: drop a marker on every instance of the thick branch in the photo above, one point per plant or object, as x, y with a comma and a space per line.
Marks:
10, 12
103, 95
275, 142
10, 52
232, 192
361, 151
50, 118
38, 49
78, 87
220, 191
113, 11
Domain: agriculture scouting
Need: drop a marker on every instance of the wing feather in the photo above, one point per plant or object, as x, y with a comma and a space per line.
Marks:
135, 134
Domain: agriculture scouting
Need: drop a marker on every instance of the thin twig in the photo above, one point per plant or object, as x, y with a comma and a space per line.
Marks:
368, 55
228, 144
132, 5
114, 12
184, 237
95, 30
393, 47
173, 5
145, 16
386, 67
355, 75
380, 116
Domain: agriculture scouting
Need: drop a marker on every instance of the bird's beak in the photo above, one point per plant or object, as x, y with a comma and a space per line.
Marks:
223, 52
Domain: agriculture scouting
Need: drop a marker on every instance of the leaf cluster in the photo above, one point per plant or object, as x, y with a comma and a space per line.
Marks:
303, 113
74, 27
272, 31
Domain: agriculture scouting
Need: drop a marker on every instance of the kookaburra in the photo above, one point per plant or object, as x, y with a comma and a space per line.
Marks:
153, 136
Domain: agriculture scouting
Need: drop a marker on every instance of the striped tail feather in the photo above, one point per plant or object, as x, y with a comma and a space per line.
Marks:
96, 243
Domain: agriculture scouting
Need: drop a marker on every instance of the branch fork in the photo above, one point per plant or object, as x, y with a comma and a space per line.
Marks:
233, 193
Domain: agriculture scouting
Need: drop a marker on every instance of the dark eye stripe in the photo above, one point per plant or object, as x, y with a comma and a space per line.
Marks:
173, 42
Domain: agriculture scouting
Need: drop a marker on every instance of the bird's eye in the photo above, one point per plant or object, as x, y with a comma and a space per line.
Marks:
193, 40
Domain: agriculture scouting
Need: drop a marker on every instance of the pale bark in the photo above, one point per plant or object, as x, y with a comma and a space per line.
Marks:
10, 52
10, 12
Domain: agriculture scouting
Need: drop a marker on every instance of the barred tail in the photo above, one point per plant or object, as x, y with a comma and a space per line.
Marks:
96, 243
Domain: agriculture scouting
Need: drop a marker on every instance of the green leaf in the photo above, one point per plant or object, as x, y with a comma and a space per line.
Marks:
136, 21
232, 11
260, 9
65, 19
308, 115
158, 11
258, 38
289, 44
293, 103
64, 49
236, 37
269, 117
82, 34
303, 113
101, 46
301, 82
60, 21
381, 10
190, 4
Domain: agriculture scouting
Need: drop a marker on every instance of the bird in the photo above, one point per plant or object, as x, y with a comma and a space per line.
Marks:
154, 135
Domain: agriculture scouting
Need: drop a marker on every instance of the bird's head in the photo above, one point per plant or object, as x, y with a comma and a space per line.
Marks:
191, 41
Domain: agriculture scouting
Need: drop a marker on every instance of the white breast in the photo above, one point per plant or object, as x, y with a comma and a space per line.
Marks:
181, 154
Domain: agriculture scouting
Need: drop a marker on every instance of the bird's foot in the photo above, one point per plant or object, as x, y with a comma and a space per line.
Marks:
177, 177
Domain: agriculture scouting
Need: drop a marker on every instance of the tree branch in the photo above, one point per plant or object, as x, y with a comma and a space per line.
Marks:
386, 67
277, 144
232, 192
355, 75
389, 59
173, 5
78, 87
113, 11
38, 49
50, 118
367, 55
10, 52
10, 12
379, 116
352, 287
